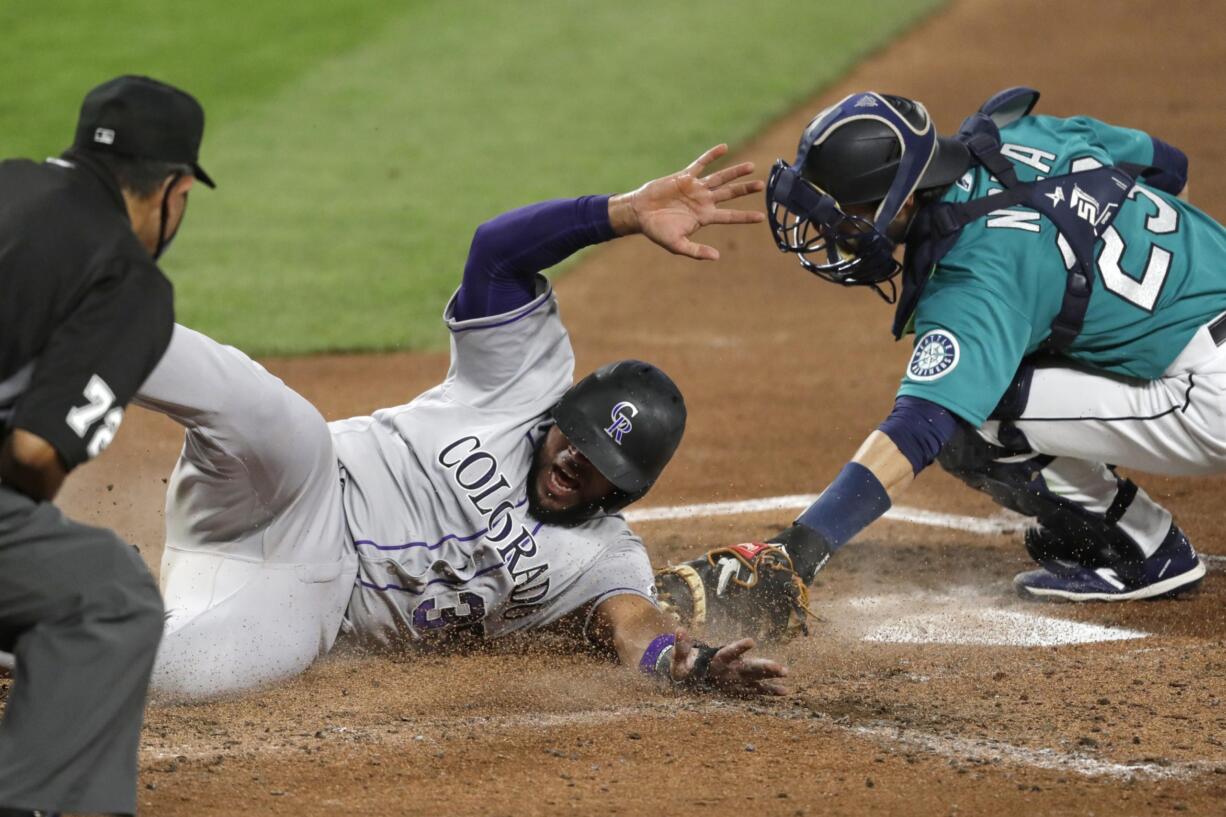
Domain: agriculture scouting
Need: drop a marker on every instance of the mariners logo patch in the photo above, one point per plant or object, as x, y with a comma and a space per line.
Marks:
935, 355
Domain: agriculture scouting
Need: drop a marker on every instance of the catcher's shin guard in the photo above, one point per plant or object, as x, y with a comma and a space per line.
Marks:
1066, 531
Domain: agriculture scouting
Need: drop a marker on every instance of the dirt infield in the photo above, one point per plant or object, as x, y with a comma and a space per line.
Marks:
925, 687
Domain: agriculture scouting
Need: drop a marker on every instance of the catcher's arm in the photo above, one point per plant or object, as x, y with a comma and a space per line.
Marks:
761, 589
643, 636
882, 469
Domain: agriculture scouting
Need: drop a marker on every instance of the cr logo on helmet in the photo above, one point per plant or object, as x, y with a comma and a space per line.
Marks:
621, 415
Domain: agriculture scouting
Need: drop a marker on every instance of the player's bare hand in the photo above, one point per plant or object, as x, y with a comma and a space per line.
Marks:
670, 209
730, 669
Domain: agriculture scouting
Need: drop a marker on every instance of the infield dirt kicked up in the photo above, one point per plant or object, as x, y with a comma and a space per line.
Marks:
925, 686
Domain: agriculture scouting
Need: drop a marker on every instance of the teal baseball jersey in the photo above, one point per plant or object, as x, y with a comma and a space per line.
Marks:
1160, 274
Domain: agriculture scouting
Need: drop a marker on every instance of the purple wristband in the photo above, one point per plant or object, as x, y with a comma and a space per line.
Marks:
660, 647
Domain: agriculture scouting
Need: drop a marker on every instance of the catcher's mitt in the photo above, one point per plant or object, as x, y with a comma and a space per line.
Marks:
740, 590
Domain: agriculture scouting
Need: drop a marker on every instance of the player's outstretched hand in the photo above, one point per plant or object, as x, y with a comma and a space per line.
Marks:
670, 209
729, 668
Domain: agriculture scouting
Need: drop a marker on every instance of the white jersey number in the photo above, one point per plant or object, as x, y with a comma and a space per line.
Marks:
468, 609
81, 418
1141, 292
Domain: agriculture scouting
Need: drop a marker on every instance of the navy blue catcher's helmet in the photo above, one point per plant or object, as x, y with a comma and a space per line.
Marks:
870, 148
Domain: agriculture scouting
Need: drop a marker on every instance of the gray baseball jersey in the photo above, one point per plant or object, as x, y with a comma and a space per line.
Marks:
435, 495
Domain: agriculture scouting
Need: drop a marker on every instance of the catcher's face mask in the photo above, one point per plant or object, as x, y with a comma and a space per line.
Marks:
861, 150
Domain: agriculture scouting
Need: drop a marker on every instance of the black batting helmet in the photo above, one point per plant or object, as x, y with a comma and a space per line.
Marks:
627, 418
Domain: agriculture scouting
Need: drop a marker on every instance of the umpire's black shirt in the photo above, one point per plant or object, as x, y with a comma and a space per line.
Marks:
85, 314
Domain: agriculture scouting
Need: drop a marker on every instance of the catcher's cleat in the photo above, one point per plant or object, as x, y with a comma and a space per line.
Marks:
1174, 568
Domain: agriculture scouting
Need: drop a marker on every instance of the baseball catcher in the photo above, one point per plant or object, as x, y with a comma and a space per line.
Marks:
1069, 316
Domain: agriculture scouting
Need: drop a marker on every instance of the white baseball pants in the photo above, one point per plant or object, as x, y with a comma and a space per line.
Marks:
1173, 425
257, 570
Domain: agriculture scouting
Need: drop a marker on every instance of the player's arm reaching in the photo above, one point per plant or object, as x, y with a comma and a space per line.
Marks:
759, 589
669, 211
644, 636
508, 251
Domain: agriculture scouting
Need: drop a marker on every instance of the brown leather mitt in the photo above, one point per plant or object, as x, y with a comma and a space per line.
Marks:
736, 591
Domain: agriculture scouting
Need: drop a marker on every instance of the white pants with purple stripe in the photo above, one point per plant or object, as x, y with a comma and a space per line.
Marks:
257, 569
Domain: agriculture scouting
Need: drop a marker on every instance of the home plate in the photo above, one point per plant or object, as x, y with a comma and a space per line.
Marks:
946, 619
1001, 628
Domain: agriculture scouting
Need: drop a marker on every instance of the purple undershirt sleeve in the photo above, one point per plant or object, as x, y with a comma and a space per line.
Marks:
508, 251
920, 429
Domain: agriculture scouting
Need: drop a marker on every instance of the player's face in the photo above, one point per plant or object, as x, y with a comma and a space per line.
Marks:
563, 480
897, 231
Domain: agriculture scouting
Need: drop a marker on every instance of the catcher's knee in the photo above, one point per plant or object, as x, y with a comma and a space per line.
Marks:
1065, 530
1006, 471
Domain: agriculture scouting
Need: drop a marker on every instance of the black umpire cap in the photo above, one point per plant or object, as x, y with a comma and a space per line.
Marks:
142, 118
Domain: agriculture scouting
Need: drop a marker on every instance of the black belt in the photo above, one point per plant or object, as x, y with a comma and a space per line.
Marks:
1217, 330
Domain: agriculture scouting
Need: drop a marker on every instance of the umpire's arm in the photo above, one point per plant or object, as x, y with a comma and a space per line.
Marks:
95, 361
30, 465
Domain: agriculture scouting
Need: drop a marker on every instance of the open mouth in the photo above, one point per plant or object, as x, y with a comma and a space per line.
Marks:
561, 482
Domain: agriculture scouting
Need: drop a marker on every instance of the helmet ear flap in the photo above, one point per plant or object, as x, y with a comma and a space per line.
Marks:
617, 499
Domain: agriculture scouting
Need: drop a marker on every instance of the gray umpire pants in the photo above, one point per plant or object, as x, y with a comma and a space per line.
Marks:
83, 617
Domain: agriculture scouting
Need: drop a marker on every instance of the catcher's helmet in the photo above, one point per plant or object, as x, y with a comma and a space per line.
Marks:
869, 148
627, 418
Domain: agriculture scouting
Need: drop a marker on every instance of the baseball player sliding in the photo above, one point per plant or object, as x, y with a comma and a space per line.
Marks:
489, 503
1068, 310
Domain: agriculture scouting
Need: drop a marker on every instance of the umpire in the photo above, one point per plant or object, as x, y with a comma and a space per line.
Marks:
85, 315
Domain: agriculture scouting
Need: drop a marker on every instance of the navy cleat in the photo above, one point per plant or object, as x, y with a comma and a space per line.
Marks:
1173, 569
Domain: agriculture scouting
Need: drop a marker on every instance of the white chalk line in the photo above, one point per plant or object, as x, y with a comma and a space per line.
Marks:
427, 733
1001, 523
989, 750
983, 750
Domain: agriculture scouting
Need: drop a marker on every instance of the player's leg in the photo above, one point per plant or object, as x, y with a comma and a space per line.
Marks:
82, 615
253, 449
257, 569
1174, 425
1098, 535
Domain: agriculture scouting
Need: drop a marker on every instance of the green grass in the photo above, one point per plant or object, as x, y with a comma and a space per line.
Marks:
357, 144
